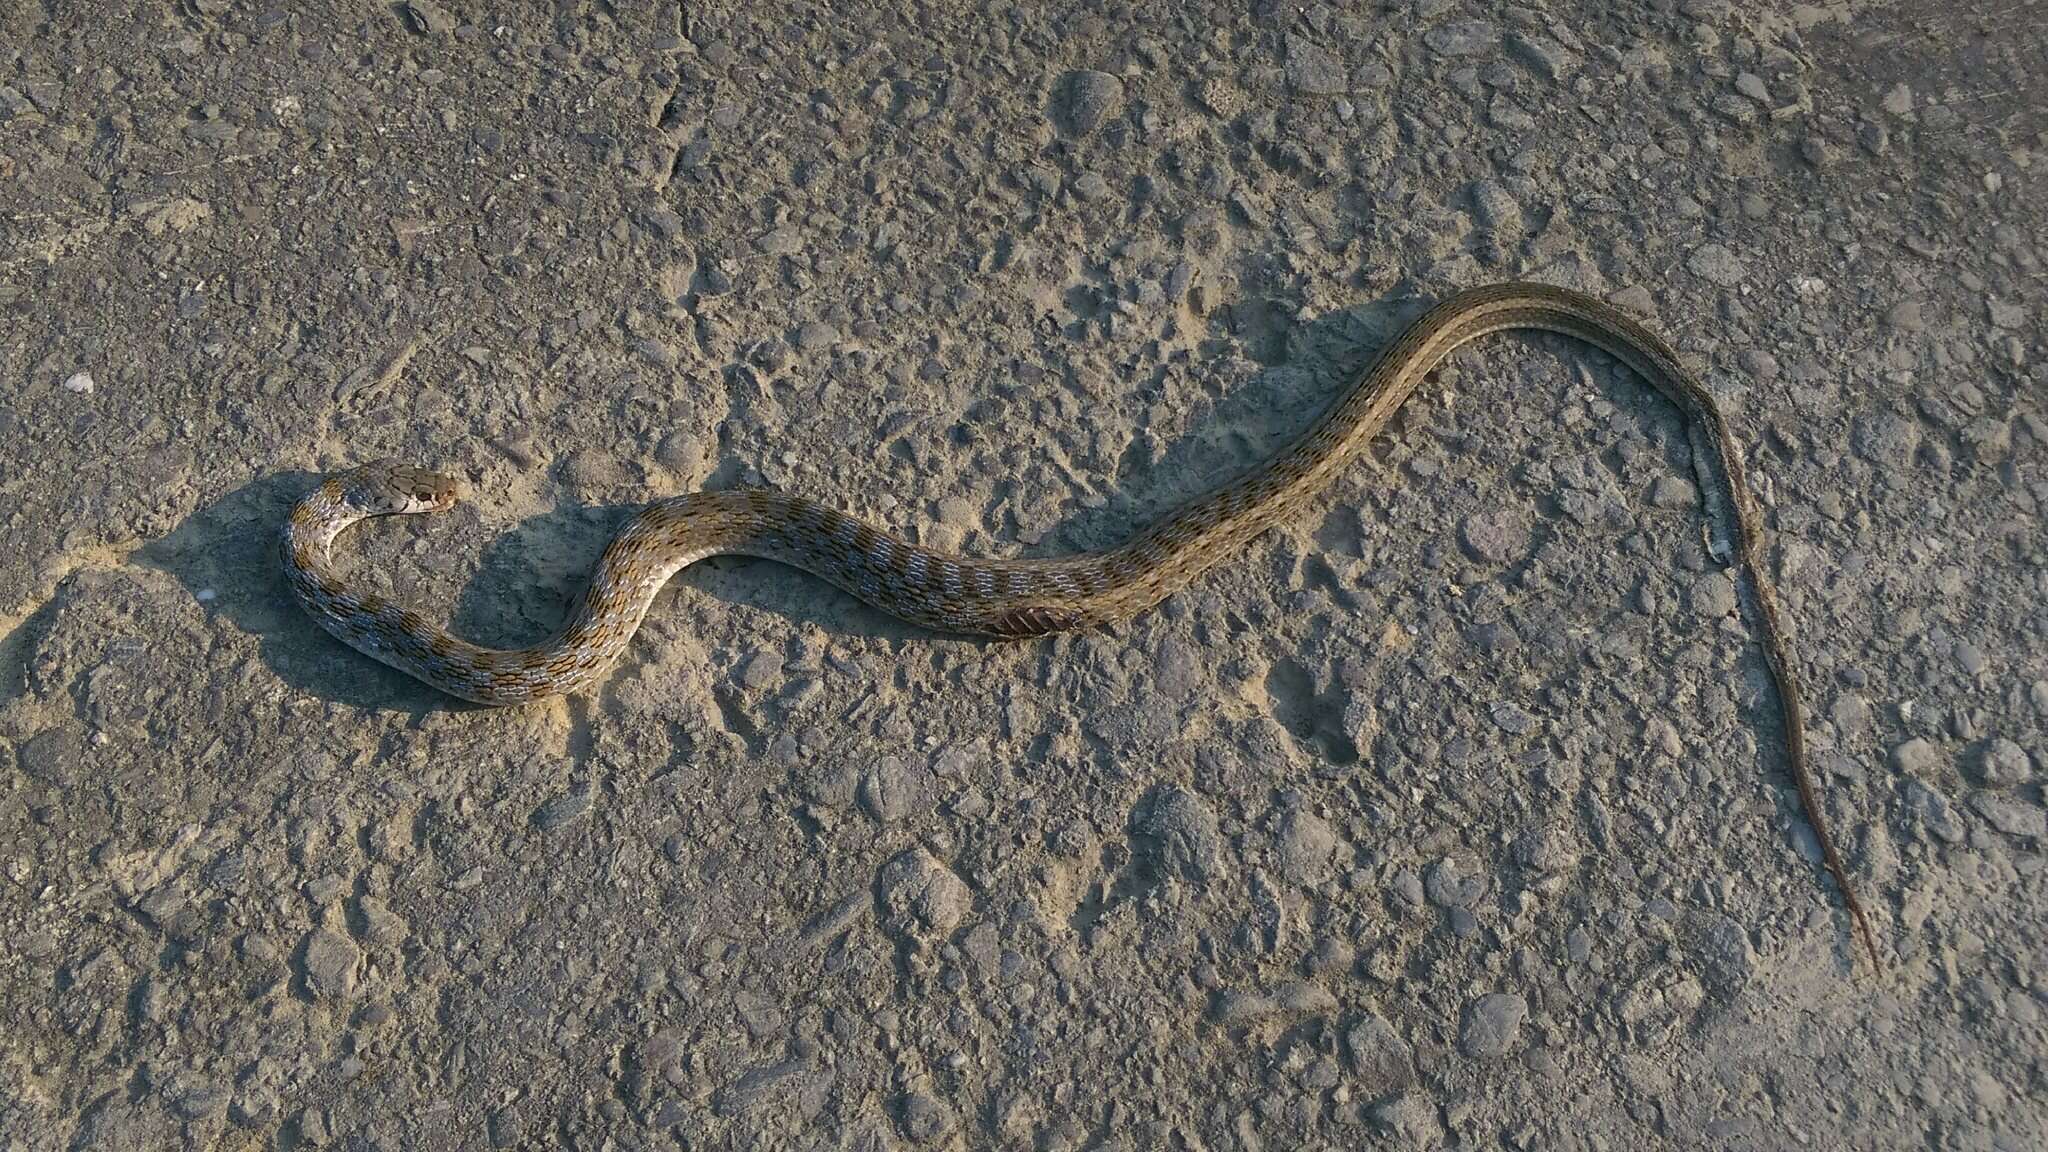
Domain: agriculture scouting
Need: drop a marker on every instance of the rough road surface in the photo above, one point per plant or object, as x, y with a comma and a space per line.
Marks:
1454, 816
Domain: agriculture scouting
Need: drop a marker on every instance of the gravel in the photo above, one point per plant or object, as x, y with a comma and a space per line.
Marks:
1451, 812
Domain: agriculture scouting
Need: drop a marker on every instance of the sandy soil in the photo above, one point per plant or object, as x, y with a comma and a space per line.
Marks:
1453, 816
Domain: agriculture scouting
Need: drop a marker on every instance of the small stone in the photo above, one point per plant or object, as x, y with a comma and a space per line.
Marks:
1546, 851
1461, 37
330, 961
1986, 440
1382, 1061
1449, 884
1886, 439
1090, 186
52, 756
816, 336
2003, 764
1177, 836
1411, 1119
784, 241
382, 927
656, 353
922, 900
79, 382
1725, 954
1933, 811
761, 670
2010, 816
1497, 210
1674, 492
1917, 757
1087, 100
1712, 596
1752, 85
1239, 1007
1493, 1024
1495, 537
562, 810
427, 18
504, 1128
1716, 265
893, 791
1907, 316
923, 1119
1546, 57
1313, 68
1308, 846
1970, 658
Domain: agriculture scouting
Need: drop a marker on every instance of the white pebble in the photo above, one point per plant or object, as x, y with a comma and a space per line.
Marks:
80, 383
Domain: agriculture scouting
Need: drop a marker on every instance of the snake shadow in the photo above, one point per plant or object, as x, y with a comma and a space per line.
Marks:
226, 555
529, 576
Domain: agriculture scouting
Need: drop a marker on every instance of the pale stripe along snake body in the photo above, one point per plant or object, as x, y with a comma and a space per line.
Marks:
1021, 597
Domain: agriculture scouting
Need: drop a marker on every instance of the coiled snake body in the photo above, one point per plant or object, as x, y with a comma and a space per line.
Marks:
1019, 597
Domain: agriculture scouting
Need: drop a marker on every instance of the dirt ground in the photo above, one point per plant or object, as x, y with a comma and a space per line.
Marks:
1455, 815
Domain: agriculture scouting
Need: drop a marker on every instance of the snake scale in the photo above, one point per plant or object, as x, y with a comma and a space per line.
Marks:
1023, 597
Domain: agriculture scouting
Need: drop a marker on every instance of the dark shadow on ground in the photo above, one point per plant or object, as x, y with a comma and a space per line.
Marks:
528, 578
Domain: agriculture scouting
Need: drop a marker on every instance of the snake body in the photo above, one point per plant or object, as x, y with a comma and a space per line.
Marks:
1021, 597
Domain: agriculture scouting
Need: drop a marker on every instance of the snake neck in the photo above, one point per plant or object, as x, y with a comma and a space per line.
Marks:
310, 530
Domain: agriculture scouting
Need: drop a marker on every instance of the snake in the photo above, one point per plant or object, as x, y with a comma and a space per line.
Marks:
1022, 597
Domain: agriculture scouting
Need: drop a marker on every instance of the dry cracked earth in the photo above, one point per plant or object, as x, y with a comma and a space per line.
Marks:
1454, 815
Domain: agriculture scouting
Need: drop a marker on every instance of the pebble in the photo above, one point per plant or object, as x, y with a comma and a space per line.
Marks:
1090, 99
1462, 37
2010, 816
1180, 835
79, 382
1410, 1119
1496, 209
1377, 1055
1495, 537
1090, 186
2003, 764
562, 810
1546, 851
1448, 883
1886, 439
1674, 492
1313, 68
923, 1118
1712, 596
761, 669
1917, 757
52, 756
331, 960
1307, 849
1544, 56
816, 336
1725, 954
893, 790
657, 353
1493, 1024
1933, 812
504, 1128
1237, 1008
1716, 265
922, 900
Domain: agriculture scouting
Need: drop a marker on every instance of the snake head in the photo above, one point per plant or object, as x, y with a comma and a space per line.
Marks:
394, 488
